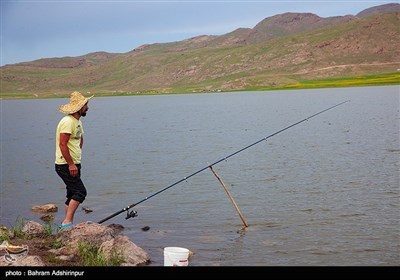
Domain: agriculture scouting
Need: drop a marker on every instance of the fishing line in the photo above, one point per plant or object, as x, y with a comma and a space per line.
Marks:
133, 213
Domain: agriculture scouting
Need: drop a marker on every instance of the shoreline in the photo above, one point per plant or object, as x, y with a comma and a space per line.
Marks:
390, 79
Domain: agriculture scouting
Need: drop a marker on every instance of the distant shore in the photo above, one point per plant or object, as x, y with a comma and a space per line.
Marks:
360, 81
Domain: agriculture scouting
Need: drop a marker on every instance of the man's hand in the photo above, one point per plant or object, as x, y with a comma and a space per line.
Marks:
73, 170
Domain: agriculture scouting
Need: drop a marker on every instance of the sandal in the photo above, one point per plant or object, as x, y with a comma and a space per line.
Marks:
66, 226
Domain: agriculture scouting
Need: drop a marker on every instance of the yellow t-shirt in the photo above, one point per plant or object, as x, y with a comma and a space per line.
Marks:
72, 126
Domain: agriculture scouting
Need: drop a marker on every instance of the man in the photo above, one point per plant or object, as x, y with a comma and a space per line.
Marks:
69, 143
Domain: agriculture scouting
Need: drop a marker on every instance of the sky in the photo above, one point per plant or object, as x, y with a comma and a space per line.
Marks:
33, 29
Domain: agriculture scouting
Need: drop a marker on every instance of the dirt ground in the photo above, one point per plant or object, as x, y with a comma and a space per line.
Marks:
40, 246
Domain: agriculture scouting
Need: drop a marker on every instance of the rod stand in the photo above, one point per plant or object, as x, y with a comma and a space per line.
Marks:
229, 195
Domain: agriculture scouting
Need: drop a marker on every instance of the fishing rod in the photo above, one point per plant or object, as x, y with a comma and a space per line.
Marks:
133, 213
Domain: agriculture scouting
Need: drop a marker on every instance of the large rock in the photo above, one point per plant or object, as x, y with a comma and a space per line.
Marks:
33, 228
129, 251
46, 208
108, 240
84, 232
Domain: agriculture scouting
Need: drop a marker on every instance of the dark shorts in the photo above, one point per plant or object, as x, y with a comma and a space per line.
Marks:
75, 188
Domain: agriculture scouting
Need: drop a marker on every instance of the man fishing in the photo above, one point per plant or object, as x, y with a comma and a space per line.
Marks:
69, 143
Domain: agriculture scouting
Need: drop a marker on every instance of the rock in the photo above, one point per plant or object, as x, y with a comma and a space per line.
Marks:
46, 208
83, 232
190, 255
116, 227
129, 251
11, 260
47, 217
87, 210
66, 258
28, 261
33, 228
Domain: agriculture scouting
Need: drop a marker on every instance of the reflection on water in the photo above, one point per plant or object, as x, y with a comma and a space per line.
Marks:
325, 192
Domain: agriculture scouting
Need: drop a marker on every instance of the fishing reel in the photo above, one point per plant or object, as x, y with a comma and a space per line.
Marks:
131, 214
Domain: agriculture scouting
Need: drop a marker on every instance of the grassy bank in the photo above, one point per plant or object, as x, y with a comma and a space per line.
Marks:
44, 244
358, 81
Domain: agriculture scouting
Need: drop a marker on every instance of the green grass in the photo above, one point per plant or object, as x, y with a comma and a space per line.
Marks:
368, 80
4, 236
19, 225
15, 231
365, 80
91, 255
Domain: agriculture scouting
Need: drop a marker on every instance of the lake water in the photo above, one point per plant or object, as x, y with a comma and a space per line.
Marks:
324, 192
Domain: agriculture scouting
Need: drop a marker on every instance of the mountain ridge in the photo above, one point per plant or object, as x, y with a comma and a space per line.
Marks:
280, 50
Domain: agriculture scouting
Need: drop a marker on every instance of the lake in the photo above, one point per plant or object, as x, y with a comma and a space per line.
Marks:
323, 192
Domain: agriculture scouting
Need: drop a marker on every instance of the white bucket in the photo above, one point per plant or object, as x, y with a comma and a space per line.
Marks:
176, 256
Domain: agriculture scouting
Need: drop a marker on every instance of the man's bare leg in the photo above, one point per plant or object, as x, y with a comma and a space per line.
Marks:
70, 212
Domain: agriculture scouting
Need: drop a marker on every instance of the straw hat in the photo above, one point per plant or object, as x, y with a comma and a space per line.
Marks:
76, 102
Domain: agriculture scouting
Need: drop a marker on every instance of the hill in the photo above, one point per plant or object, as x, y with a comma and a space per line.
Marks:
281, 51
